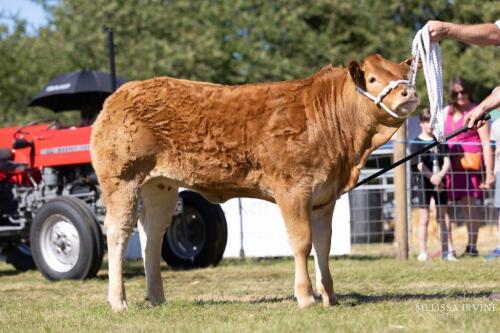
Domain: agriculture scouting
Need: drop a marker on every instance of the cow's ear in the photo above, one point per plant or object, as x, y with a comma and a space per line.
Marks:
409, 61
357, 75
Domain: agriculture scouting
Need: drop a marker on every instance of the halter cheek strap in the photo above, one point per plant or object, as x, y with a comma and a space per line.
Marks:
378, 100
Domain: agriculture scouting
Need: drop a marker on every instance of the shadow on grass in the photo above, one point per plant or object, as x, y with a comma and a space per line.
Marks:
362, 257
351, 299
245, 300
10, 272
355, 299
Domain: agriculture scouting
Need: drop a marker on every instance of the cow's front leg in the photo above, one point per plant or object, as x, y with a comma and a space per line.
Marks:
296, 211
321, 220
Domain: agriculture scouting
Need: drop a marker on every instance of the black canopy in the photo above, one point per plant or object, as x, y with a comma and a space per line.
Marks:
76, 91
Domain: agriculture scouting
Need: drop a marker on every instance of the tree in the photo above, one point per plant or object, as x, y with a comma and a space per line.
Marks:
230, 42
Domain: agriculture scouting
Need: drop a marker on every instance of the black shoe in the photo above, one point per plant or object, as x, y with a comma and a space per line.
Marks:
470, 252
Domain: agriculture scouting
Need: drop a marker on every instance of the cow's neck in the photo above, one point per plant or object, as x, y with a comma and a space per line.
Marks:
374, 130
352, 126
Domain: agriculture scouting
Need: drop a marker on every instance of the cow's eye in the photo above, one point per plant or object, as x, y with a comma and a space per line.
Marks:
372, 79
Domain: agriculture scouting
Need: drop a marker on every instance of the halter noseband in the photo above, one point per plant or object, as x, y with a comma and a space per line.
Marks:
378, 100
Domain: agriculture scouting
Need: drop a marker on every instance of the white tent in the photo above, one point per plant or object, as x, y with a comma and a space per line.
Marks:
260, 230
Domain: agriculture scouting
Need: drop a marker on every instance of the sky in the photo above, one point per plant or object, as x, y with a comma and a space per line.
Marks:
25, 9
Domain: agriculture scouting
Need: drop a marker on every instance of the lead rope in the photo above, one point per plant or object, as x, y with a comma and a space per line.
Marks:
430, 55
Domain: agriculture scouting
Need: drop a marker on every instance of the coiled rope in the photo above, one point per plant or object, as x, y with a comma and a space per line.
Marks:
430, 56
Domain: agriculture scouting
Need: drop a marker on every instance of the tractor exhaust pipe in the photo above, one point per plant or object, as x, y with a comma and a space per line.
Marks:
111, 51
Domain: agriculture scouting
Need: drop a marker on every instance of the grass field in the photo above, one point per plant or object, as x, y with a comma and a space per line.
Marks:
376, 295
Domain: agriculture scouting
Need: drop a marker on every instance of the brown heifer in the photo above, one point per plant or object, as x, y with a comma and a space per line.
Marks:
298, 143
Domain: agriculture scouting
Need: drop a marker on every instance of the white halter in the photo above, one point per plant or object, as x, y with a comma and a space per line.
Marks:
378, 100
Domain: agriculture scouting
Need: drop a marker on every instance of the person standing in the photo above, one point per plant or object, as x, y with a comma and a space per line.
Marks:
470, 155
431, 168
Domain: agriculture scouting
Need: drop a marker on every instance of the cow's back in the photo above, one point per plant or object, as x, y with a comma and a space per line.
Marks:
204, 135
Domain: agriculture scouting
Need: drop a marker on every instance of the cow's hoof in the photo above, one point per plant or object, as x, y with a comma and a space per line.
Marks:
119, 305
330, 300
306, 302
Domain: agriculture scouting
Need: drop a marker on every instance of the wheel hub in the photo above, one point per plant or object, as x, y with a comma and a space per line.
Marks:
187, 234
60, 243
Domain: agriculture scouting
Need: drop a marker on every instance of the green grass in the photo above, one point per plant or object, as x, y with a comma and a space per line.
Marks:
376, 295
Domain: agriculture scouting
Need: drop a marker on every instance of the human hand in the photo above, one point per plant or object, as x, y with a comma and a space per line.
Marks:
473, 118
436, 180
437, 30
489, 181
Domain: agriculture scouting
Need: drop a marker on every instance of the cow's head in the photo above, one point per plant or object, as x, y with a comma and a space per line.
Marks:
376, 73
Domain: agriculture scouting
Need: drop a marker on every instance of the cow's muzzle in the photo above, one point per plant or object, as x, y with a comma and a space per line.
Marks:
391, 86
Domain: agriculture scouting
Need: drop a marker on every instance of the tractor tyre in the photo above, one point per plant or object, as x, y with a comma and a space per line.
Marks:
197, 237
96, 230
66, 240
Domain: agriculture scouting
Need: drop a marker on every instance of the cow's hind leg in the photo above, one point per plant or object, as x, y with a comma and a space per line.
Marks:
121, 204
321, 221
159, 200
296, 212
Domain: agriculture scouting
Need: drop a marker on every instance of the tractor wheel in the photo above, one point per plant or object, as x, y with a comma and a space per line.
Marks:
20, 257
197, 237
66, 240
98, 235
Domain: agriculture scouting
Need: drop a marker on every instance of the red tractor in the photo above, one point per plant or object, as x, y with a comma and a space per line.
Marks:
51, 213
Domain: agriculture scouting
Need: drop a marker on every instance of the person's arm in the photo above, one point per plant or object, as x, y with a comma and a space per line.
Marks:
424, 170
476, 34
446, 166
438, 178
488, 104
484, 135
